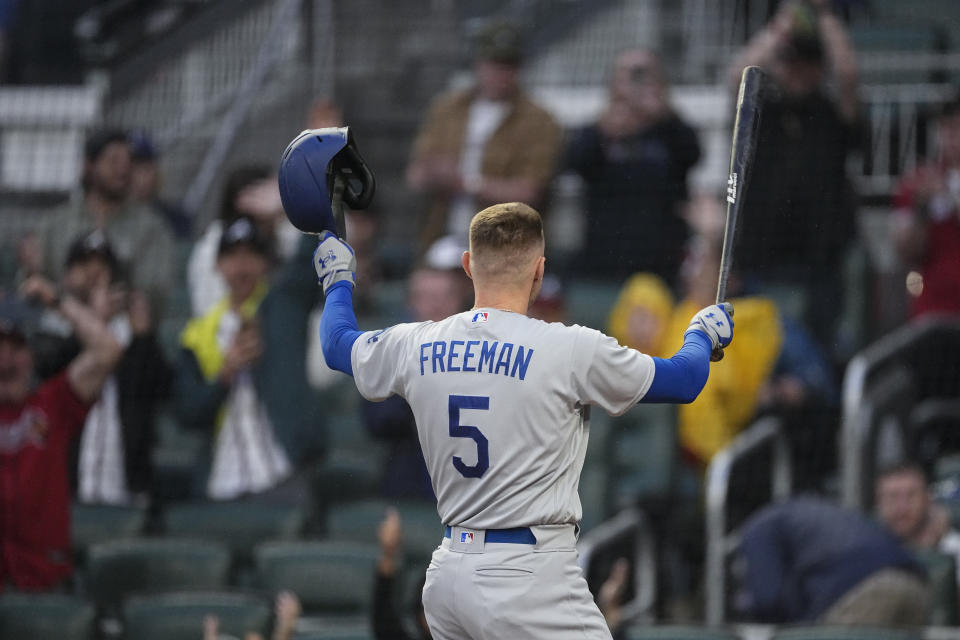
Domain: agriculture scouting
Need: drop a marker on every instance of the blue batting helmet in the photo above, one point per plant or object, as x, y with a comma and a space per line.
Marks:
308, 168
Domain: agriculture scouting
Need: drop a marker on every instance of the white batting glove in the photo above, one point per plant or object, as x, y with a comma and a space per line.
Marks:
334, 261
715, 321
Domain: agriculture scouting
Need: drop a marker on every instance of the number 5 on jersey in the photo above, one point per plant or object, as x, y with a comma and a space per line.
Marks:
458, 430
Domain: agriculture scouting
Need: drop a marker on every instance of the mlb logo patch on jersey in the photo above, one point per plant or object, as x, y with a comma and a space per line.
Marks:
481, 316
465, 536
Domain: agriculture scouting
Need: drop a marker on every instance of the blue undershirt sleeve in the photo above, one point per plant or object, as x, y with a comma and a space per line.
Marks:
680, 379
338, 327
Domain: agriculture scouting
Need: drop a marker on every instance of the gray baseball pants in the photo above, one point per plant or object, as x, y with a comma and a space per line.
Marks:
503, 591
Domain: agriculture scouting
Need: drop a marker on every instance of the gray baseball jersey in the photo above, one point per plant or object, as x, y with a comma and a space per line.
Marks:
499, 401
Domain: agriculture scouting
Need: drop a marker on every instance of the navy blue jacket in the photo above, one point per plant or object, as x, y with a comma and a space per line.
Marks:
804, 554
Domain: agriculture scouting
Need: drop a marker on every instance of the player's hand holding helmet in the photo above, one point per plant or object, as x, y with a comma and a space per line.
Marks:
334, 261
716, 321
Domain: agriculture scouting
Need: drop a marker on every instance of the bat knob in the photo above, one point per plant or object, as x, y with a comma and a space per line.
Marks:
716, 355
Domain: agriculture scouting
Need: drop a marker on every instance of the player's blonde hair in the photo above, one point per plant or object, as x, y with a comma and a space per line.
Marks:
503, 237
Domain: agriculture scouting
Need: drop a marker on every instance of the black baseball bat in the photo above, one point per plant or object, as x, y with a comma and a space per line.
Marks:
743, 146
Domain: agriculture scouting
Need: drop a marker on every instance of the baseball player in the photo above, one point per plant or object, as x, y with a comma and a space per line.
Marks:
502, 404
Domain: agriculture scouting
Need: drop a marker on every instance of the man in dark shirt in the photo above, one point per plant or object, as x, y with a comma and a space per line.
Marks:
808, 559
634, 162
798, 210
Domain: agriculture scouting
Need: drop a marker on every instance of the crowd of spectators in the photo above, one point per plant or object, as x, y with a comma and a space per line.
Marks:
83, 375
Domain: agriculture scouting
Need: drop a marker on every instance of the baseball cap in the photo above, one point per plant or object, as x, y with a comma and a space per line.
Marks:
142, 148
100, 139
445, 253
91, 245
243, 232
13, 319
500, 42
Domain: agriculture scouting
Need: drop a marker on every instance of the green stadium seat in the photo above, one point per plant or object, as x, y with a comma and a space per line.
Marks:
345, 430
330, 578
333, 628
45, 617
942, 580
594, 491
340, 397
390, 299
353, 465
843, 633
240, 524
644, 453
679, 632
177, 457
344, 476
422, 529
600, 447
121, 568
359, 521
179, 615
343, 634
589, 302
93, 523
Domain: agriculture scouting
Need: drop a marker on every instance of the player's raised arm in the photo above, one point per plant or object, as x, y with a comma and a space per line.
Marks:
680, 378
336, 267
89, 371
321, 173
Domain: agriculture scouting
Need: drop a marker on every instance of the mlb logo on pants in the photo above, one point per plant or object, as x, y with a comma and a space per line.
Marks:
466, 537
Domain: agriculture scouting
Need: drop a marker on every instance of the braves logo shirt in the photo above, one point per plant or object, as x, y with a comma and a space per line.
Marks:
35, 439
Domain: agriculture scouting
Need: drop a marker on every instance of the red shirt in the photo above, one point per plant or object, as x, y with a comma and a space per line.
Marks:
35, 438
940, 265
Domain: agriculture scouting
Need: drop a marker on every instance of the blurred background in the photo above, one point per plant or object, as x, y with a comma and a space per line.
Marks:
218, 480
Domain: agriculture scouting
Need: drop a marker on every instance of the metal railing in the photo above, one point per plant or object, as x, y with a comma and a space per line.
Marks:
895, 122
269, 55
766, 432
870, 380
895, 117
632, 523
42, 131
198, 88
876, 435
562, 56
712, 32
186, 80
